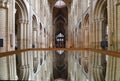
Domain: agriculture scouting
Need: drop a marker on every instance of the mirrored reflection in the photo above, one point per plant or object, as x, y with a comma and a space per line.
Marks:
67, 65
60, 51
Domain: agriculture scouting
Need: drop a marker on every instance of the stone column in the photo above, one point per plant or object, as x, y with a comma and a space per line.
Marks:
26, 54
99, 59
34, 40
35, 53
3, 35
113, 65
23, 65
20, 65
20, 40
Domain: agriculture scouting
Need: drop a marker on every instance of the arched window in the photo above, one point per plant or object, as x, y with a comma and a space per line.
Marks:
60, 40
88, 3
60, 4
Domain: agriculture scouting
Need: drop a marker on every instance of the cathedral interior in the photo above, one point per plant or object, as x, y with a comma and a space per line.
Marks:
60, 40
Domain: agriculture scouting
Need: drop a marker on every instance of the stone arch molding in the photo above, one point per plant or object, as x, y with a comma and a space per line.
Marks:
86, 34
99, 10
36, 17
22, 22
86, 20
34, 21
35, 29
23, 10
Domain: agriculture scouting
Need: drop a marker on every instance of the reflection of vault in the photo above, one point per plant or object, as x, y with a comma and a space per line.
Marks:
60, 51
60, 79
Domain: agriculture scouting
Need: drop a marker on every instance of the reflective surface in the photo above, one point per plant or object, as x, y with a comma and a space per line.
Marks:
59, 64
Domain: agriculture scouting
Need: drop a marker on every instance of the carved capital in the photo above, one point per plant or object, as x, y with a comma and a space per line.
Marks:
27, 66
34, 29
95, 20
21, 67
22, 21
26, 21
19, 21
116, 2
100, 19
4, 4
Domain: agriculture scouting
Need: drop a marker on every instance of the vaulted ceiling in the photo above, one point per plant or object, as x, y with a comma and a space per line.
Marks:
66, 1
60, 18
52, 2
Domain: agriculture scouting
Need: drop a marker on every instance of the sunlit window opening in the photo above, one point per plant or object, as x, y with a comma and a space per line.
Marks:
60, 42
88, 3
60, 4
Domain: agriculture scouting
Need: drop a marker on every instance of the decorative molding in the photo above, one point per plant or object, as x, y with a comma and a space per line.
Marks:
4, 4
22, 21
116, 2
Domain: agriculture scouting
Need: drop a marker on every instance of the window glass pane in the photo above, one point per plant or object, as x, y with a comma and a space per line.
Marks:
60, 4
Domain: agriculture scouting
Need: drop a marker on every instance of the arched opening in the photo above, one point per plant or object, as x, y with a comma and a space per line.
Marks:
34, 31
41, 56
17, 36
21, 17
79, 42
85, 30
104, 15
34, 43
101, 26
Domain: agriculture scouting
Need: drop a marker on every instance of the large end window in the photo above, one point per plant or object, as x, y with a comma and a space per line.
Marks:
60, 42
60, 4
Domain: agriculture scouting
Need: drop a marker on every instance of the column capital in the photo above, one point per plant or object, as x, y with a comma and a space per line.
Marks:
34, 29
26, 21
4, 4
22, 21
102, 19
99, 19
116, 2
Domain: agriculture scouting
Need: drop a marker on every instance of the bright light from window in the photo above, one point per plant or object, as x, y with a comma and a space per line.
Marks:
60, 4
88, 3
60, 35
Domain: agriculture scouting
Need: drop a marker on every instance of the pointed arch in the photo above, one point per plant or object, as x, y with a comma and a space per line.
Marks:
86, 42
22, 8
21, 27
86, 20
100, 25
34, 21
99, 8
34, 42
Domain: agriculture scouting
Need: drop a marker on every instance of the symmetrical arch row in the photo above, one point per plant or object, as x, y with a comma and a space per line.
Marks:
94, 26
81, 23
22, 29
31, 34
